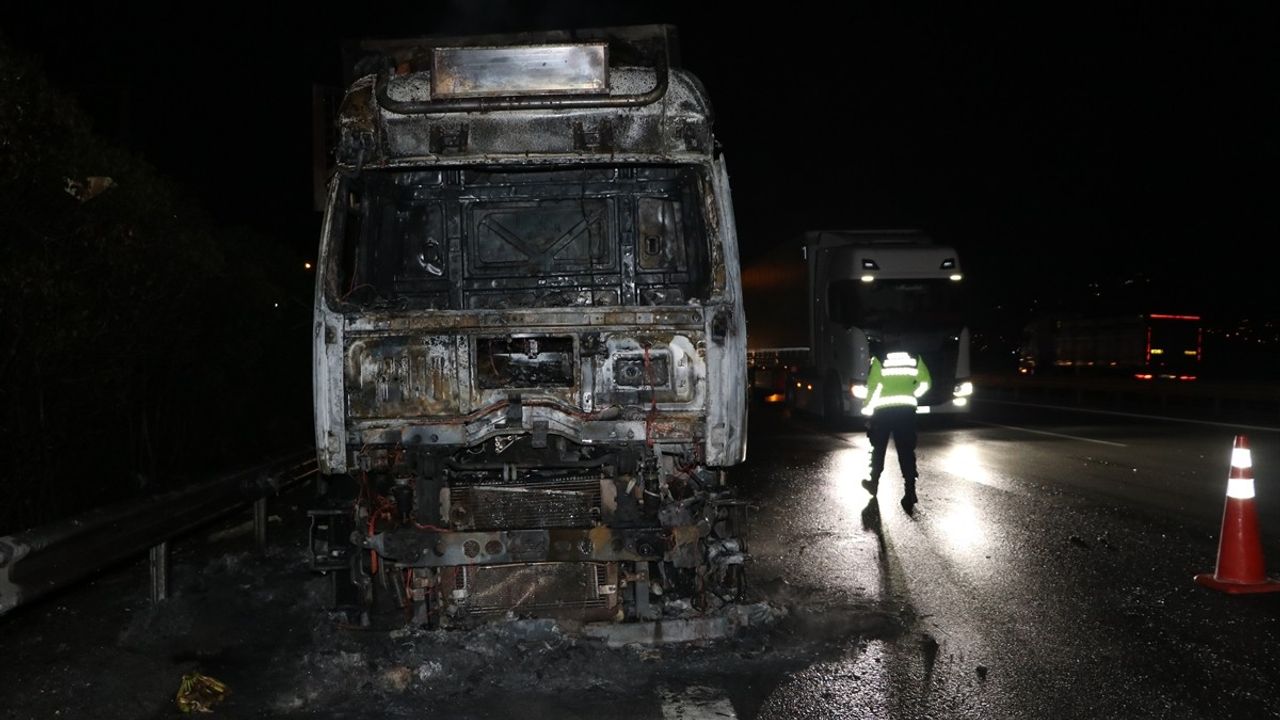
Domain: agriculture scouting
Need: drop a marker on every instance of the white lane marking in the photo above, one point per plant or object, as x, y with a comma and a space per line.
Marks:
1052, 434
696, 703
1264, 428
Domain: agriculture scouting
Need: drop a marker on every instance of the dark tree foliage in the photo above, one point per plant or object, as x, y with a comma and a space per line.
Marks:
140, 346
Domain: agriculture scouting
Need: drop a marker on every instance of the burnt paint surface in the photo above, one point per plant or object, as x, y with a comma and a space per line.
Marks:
402, 376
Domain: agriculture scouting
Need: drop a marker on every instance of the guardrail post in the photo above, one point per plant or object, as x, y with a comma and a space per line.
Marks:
260, 523
160, 572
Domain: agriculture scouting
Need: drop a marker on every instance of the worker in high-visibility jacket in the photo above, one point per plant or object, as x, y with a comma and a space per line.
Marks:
894, 388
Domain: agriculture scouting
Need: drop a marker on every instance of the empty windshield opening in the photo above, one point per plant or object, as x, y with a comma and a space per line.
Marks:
489, 238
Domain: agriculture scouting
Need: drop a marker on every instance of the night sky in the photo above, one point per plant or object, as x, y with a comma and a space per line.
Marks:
1055, 148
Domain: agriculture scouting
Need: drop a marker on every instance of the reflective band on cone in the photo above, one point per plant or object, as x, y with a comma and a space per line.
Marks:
1240, 489
1240, 568
1241, 458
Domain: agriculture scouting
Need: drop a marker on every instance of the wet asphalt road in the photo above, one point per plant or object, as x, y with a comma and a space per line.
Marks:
1046, 573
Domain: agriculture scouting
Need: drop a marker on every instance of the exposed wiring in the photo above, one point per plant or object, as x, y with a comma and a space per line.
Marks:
493, 364
408, 594
379, 507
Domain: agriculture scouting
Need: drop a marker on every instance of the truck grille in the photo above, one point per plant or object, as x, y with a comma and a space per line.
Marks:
566, 503
583, 590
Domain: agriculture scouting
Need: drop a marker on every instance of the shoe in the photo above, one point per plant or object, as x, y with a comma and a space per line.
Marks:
909, 491
909, 498
871, 486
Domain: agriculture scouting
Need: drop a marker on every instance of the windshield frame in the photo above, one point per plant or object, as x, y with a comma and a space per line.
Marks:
649, 219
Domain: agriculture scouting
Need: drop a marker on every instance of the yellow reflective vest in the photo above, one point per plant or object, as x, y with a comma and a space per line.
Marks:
899, 382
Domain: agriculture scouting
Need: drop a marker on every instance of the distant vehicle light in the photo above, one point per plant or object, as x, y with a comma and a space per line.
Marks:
957, 277
868, 278
470, 72
965, 389
1143, 376
799, 385
808, 387
774, 398
1174, 317
1192, 353
306, 265
1187, 377
1157, 351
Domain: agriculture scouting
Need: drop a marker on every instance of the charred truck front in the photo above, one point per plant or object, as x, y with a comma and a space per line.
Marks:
529, 352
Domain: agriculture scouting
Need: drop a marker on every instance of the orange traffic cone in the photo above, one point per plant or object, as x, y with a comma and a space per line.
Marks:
1240, 565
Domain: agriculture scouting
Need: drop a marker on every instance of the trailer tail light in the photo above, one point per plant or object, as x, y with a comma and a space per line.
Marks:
1187, 377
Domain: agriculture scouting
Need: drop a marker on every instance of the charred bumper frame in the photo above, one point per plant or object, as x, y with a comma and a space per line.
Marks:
427, 548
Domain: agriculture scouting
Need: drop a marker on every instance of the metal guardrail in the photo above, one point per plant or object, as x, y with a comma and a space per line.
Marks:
41, 560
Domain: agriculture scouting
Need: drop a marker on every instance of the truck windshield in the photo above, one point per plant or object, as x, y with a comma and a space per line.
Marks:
891, 305
488, 238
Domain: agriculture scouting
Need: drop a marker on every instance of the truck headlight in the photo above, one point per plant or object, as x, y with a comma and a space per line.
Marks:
859, 391
964, 389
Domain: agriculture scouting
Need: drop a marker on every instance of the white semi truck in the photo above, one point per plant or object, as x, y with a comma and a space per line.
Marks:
856, 289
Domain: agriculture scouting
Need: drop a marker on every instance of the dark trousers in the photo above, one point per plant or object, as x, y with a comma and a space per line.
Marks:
900, 424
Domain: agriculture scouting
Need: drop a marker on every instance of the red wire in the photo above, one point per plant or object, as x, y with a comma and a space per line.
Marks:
408, 593
381, 507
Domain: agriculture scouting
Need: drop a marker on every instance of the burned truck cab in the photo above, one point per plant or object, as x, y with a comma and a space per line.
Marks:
529, 342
